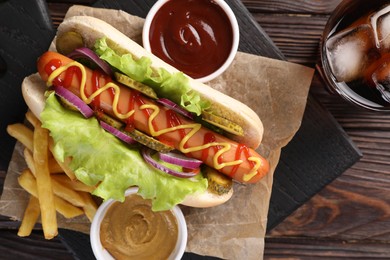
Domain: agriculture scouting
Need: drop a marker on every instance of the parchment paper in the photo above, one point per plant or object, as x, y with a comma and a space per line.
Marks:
276, 90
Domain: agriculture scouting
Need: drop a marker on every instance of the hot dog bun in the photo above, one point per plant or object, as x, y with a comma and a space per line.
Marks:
91, 29
33, 89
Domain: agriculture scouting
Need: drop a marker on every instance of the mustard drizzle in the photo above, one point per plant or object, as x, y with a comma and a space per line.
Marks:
194, 128
83, 84
156, 110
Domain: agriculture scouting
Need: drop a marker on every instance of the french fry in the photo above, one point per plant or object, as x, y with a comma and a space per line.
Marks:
66, 209
34, 121
67, 194
54, 167
90, 206
28, 157
30, 217
44, 185
63, 165
73, 184
22, 133
27, 181
52, 185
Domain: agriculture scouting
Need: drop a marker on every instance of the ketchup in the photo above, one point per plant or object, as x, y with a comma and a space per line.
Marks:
241, 149
210, 138
52, 66
194, 36
96, 86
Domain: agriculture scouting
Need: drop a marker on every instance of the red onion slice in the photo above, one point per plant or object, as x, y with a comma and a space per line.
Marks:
180, 160
175, 107
146, 153
74, 100
125, 138
85, 52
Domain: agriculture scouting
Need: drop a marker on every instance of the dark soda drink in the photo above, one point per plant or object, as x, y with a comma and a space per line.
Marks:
355, 53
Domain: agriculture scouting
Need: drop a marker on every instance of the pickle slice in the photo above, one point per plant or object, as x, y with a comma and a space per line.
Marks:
66, 104
131, 83
110, 120
68, 42
149, 141
218, 183
222, 123
137, 135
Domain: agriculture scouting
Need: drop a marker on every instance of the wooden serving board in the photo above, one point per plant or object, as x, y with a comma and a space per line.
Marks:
319, 152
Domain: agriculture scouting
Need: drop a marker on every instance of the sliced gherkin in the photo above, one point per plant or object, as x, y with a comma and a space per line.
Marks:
68, 42
149, 141
66, 104
218, 183
110, 120
131, 83
137, 135
222, 123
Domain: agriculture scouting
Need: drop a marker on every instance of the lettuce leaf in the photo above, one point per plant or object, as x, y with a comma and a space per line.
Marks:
172, 86
100, 158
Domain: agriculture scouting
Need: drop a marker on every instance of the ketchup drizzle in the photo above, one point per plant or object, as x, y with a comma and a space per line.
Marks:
173, 120
66, 82
210, 138
130, 121
95, 87
137, 99
241, 149
69, 75
51, 66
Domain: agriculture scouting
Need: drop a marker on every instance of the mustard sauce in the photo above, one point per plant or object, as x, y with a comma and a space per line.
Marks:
131, 230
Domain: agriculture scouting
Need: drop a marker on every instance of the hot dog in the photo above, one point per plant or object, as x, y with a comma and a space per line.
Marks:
232, 155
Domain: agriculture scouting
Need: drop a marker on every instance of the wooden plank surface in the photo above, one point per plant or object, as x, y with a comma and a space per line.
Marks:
300, 7
294, 26
350, 218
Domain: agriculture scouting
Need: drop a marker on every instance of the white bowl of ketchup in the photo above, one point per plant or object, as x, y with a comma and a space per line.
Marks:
197, 37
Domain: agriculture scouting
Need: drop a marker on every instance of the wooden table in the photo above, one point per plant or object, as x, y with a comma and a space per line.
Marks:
349, 218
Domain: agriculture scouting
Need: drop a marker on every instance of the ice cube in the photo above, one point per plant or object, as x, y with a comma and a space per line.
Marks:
350, 51
380, 22
381, 79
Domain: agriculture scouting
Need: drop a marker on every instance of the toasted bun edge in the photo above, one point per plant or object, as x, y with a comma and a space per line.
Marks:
206, 199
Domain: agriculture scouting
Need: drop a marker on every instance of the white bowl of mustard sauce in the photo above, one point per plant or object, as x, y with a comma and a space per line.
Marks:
131, 230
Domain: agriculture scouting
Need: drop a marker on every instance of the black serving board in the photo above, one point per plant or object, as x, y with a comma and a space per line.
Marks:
318, 153
25, 32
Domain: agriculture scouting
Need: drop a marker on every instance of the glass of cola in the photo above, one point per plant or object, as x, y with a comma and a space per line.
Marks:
355, 53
